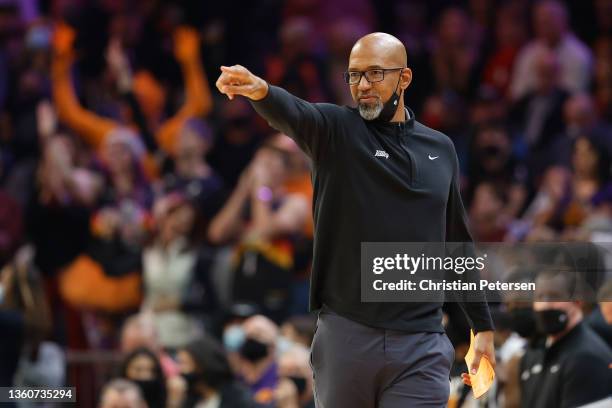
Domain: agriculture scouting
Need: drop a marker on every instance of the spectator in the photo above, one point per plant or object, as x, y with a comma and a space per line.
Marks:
176, 274
62, 199
258, 367
209, 379
139, 331
599, 318
603, 77
295, 387
554, 375
510, 35
456, 52
95, 129
142, 367
263, 218
581, 119
256, 363
538, 114
496, 191
119, 393
550, 24
24, 313
190, 173
605, 301
238, 141
297, 67
299, 329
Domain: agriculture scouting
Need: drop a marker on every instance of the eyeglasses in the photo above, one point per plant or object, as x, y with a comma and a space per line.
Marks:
371, 75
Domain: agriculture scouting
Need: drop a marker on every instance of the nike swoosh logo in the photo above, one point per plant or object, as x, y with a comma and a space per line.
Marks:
433, 157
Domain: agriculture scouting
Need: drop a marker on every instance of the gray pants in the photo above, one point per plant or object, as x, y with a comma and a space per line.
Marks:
356, 366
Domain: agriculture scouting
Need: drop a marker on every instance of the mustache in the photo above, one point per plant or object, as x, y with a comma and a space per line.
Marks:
367, 95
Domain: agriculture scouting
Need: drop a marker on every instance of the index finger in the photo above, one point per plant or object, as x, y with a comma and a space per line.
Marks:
224, 81
237, 71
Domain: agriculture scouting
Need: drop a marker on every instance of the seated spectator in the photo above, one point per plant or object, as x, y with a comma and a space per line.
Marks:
565, 200
295, 386
455, 52
581, 119
496, 181
595, 319
176, 274
537, 116
256, 358
591, 160
603, 77
550, 24
599, 317
522, 323
142, 367
555, 374
299, 329
209, 379
263, 219
488, 106
510, 35
605, 301
140, 331
120, 393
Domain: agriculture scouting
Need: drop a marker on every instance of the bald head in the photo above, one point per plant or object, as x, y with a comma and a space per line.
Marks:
385, 56
381, 47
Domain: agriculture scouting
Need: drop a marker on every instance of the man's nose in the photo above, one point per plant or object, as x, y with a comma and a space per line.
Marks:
363, 83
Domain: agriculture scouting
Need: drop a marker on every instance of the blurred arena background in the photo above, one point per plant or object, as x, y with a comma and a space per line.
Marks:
128, 246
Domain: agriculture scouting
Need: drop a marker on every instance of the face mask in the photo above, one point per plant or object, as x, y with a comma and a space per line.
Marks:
233, 338
283, 345
253, 350
191, 380
551, 321
390, 107
300, 384
152, 390
523, 322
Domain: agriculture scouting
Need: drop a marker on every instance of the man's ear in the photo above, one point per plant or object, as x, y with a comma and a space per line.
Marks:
406, 78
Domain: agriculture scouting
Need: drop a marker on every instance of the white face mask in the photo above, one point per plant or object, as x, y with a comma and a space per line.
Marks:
283, 345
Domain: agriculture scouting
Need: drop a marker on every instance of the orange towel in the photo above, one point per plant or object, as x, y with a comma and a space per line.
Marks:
483, 379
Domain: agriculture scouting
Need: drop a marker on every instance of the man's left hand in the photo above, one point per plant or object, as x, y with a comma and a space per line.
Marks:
483, 347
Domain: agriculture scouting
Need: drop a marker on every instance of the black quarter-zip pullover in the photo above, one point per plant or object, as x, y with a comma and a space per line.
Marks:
373, 182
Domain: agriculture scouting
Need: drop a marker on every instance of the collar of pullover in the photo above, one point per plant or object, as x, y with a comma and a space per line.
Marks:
404, 127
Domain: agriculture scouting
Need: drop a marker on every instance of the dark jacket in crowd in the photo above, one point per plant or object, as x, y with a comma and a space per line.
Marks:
572, 372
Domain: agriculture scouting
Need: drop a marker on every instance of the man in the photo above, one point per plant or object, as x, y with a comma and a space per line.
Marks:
378, 176
572, 369
120, 393
550, 24
539, 114
605, 301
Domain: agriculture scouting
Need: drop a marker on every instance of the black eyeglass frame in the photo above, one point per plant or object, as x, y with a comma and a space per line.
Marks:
364, 73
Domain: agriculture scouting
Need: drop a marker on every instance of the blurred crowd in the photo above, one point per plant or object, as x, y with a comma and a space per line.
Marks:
143, 215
